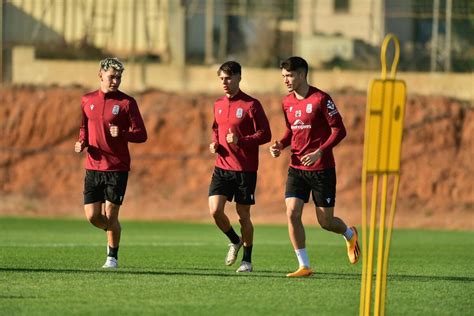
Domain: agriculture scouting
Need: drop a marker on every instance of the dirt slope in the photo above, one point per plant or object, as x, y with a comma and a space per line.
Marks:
170, 173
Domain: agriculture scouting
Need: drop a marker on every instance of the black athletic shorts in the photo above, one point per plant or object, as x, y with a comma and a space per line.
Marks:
100, 186
239, 185
321, 183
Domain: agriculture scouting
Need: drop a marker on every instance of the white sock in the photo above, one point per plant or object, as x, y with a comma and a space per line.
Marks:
302, 256
348, 233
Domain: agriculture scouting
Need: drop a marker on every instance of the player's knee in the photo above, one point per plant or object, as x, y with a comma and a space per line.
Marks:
115, 226
325, 224
245, 220
293, 215
94, 219
112, 221
216, 212
243, 212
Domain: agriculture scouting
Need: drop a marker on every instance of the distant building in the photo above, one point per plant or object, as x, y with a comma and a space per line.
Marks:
328, 29
257, 32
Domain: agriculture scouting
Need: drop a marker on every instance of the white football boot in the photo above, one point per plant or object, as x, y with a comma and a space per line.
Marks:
244, 267
110, 263
232, 253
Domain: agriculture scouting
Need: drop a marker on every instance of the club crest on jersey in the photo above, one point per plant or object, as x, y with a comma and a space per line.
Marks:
239, 113
309, 108
116, 109
92, 106
220, 111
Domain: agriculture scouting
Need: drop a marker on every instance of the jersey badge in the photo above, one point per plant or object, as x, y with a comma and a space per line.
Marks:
92, 106
298, 113
309, 108
220, 111
116, 109
239, 113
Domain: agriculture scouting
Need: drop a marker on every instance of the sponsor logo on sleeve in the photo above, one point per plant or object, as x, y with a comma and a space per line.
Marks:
332, 108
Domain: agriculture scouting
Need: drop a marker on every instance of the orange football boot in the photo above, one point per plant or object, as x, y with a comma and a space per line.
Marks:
301, 272
353, 250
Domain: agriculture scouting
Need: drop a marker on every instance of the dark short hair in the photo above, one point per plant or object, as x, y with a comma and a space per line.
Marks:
295, 63
230, 68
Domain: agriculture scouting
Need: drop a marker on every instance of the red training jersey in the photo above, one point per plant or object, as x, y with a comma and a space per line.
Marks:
245, 117
99, 111
313, 122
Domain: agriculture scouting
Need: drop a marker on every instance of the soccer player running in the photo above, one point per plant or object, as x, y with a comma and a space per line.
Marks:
110, 119
314, 127
240, 126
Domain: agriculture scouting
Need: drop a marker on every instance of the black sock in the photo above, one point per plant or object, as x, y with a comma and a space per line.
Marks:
233, 237
247, 253
113, 252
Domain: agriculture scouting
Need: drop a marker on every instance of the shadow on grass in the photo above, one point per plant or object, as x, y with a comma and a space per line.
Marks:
261, 274
18, 297
182, 272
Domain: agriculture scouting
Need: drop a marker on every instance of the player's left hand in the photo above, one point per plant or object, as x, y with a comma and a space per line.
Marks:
311, 158
231, 138
114, 130
213, 147
79, 146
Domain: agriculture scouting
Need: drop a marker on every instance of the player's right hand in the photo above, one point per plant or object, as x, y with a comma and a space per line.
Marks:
275, 149
79, 146
213, 147
114, 130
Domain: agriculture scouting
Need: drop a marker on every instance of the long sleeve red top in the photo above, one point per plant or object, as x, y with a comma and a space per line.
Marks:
313, 122
99, 111
245, 117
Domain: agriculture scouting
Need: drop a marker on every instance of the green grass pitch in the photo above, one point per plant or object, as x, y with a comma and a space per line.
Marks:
52, 267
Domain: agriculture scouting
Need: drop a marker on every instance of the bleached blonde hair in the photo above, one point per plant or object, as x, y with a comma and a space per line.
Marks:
111, 62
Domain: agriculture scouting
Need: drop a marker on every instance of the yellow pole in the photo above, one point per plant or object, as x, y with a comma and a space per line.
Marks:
370, 256
380, 251
389, 238
364, 218
364, 241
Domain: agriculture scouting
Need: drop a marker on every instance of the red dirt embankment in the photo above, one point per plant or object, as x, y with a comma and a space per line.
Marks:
41, 174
